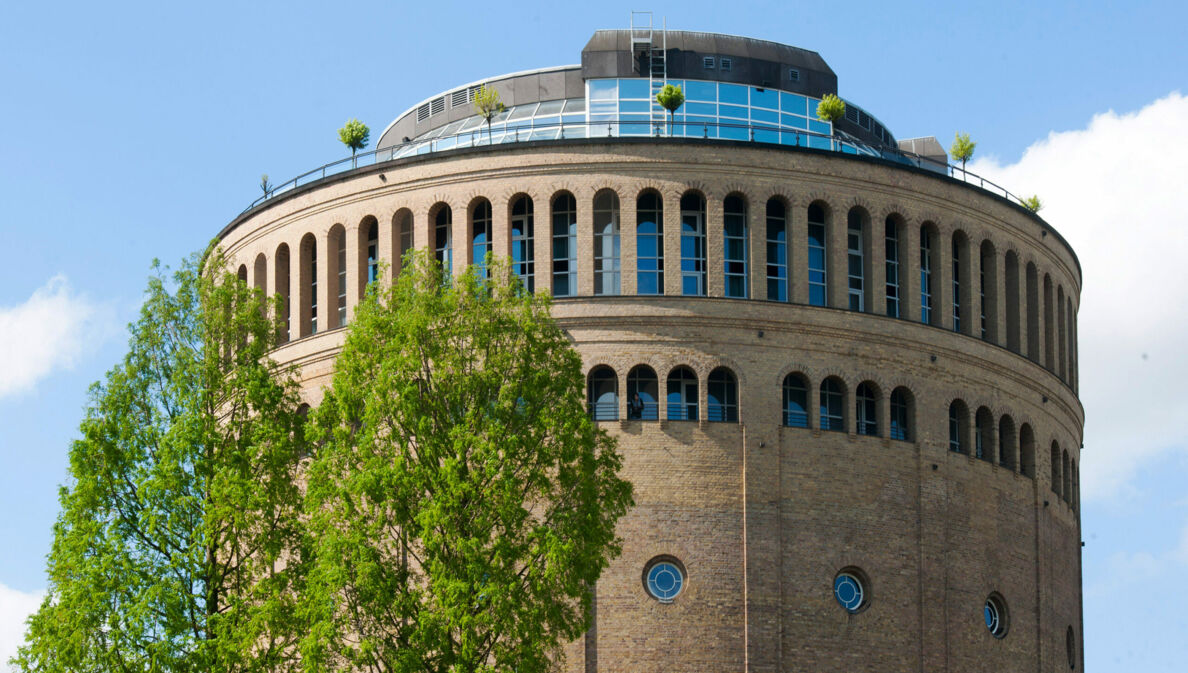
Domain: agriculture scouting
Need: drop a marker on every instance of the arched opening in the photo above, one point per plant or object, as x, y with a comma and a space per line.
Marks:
402, 228
260, 276
480, 235
902, 415
693, 262
1033, 314
564, 245
1049, 326
443, 237
649, 243
1012, 301
682, 395
606, 243
818, 255
523, 252
960, 280
892, 238
958, 427
603, 394
280, 285
643, 394
722, 396
866, 409
368, 253
241, 274
1007, 443
1066, 476
1074, 494
1026, 451
777, 250
338, 275
309, 286
928, 259
984, 435
734, 231
1061, 336
796, 401
857, 259
833, 404
988, 292
1057, 480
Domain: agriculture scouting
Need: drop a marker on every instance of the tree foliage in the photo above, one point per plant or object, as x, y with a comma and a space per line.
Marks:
354, 134
487, 103
1032, 203
962, 148
670, 98
463, 501
174, 549
831, 108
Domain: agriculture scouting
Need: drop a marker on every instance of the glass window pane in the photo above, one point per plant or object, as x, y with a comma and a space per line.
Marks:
604, 89
732, 93
634, 88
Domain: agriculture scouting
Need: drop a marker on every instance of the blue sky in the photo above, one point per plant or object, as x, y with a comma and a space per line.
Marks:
130, 131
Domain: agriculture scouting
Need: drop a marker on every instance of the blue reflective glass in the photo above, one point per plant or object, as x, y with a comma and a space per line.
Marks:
991, 617
768, 98
792, 121
604, 89
734, 132
634, 88
665, 581
848, 592
790, 102
817, 142
732, 93
701, 108
818, 126
648, 284
770, 116
701, 91
634, 106
735, 111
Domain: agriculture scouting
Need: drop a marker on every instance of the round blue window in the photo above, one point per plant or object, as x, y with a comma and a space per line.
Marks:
849, 592
664, 581
995, 614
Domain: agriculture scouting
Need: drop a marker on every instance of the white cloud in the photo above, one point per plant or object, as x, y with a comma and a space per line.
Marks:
15, 608
1115, 191
46, 333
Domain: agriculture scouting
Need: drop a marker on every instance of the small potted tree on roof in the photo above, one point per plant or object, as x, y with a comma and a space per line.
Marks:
962, 148
670, 98
487, 104
354, 134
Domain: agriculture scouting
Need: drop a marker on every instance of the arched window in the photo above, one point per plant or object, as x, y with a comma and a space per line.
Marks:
734, 225
522, 242
927, 262
1061, 336
988, 292
564, 245
280, 285
891, 247
1012, 301
1055, 465
603, 394
480, 235
1066, 474
649, 243
901, 415
984, 435
958, 427
260, 273
1026, 451
866, 409
960, 274
693, 244
857, 259
643, 394
443, 246
606, 243
833, 404
370, 230
339, 274
404, 237
1074, 484
309, 285
722, 397
796, 401
241, 274
777, 251
1033, 314
682, 395
1007, 447
818, 278
1049, 326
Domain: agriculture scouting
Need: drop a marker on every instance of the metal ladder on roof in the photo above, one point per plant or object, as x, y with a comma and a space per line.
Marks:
647, 38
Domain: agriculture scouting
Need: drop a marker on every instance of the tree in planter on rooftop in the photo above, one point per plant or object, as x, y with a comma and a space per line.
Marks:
463, 501
670, 98
178, 547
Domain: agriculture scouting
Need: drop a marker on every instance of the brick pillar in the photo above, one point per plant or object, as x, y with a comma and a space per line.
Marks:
542, 242
327, 297
627, 244
460, 238
757, 249
356, 261
672, 244
501, 229
836, 262
876, 267
798, 255
715, 249
942, 280
585, 244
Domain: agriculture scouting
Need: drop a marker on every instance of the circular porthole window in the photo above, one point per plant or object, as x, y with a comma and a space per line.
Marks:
664, 578
995, 613
849, 588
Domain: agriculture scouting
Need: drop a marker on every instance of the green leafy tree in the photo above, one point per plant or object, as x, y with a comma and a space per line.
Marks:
670, 98
962, 148
831, 108
265, 185
175, 547
463, 501
1033, 203
354, 134
487, 103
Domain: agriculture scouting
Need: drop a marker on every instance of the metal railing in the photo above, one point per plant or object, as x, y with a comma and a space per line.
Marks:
604, 411
628, 128
647, 411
